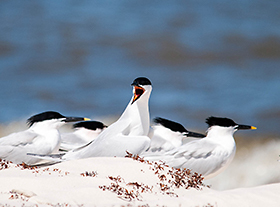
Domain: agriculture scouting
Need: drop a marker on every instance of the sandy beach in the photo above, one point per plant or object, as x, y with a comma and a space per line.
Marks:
252, 179
216, 58
119, 182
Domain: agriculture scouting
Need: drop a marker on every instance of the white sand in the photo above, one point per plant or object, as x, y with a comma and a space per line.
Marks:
63, 185
255, 164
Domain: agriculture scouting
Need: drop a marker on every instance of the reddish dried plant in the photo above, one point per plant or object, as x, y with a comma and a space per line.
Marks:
124, 193
4, 164
89, 174
170, 177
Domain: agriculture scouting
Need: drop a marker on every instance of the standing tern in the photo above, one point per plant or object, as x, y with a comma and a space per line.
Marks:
84, 132
128, 134
41, 137
169, 135
208, 156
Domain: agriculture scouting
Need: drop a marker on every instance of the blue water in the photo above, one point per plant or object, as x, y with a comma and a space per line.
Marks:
78, 57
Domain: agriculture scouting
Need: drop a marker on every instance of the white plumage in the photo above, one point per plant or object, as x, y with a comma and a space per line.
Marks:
128, 134
168, 135
42, 137
84, 132
207, 156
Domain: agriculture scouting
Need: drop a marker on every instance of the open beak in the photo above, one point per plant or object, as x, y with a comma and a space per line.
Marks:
75, 119
194, 134
137, 91
246, 127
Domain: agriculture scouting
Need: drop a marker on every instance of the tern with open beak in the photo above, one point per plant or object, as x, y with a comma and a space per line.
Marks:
128, 134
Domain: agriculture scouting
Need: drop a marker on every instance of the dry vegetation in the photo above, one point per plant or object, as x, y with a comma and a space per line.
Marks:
169, 179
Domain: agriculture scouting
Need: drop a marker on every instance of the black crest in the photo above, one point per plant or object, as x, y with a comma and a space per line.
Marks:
141, 81
174, 126
44, 116
218, 121
92, 125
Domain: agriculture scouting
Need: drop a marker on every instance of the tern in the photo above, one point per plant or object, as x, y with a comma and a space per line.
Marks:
169, 135
42, 136
84, 132
208, 156
128, 134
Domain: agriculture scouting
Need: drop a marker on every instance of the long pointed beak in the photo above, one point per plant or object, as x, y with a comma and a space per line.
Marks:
137, 91
194, 134
246, 127
75, 119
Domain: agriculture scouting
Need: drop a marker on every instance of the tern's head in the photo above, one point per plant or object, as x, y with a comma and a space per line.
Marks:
226, 124
88, 130
52, 119
141, 86
176, 127
91, 125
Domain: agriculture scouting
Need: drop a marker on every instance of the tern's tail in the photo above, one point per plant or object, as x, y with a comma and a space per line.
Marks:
55, 158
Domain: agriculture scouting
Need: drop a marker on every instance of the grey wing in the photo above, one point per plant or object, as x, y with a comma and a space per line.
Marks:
156, 144
71, 141
164, 140
100, 146
9, 144
204, 158
19, 138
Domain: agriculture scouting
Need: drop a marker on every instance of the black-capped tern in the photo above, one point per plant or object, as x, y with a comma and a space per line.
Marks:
168, 135
41, 137
207, 156
84, 132
128, 134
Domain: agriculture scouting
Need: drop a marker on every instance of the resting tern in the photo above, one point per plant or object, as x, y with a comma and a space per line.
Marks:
207, 156
42, 136
169, 135
128, 134
84, 132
